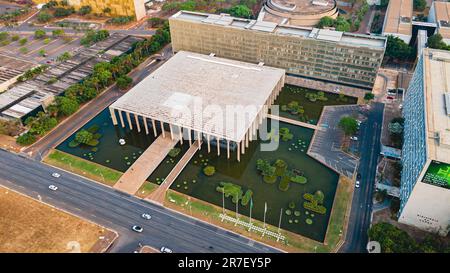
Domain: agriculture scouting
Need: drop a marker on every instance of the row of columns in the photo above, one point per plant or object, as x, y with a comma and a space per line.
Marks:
249, 136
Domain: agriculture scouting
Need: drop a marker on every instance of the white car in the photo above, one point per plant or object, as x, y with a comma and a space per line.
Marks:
357, 184
146, 216
56, 175
137, 228
53, 187
354, 138
166, 250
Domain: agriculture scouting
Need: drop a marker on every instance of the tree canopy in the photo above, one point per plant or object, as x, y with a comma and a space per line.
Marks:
349, 125
419, 5
396, 48
436, 41
241, 11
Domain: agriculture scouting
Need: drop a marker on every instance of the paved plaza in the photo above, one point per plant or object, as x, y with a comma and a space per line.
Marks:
326, 143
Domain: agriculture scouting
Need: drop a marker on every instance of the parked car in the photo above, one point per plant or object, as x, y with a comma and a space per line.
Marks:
166, 250
146, 216
137, 228
354, 138
358, 176
53, 187
357, 184
56, 175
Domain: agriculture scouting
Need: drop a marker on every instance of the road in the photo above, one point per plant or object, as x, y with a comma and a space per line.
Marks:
77, 120
360, 216
120, 211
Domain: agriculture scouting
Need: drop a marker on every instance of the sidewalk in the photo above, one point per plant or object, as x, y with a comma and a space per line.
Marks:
143, 167
159, 194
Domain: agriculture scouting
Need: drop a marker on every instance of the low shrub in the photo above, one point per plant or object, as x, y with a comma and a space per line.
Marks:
209, 170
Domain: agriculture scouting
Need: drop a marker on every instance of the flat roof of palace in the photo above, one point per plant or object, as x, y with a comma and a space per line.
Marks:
225, 20
437, 103
399, 17
201, 84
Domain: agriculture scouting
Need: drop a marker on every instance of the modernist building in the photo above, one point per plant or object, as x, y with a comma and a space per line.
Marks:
195, 97
398, 19
134, 8
440, 15
425, 183
298, 12
319, 54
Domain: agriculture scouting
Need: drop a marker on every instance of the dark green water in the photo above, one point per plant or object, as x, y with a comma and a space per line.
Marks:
110, 153
312, 109
243, 173
246, 175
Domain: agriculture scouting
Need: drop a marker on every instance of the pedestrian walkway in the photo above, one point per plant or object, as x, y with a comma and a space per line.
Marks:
326, 144
294, 122
144, 166
159, 194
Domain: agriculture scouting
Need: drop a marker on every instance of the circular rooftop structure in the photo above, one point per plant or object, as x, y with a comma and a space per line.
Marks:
299, 12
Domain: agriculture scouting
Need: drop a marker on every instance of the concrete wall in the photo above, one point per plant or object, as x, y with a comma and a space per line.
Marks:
342, 64
428, 208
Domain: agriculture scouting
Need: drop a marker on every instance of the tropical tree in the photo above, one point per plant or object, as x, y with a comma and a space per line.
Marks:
85, 10
348, 125
66, 106
124, 82
64, 57
392, 239
44, 17
436, 41
419, 5
84, 136
369, 96
39, 34
398, 49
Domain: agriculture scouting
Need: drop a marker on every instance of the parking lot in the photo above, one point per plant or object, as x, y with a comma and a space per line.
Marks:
7, 7
327, 141
40, 51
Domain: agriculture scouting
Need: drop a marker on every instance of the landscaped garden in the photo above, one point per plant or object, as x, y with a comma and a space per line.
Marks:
305, 104
287, 180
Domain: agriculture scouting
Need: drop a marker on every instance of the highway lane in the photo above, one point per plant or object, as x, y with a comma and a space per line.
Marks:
119, 211
360, 216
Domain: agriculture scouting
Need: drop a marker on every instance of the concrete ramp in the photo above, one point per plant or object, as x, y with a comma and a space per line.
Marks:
144, 166
160, 193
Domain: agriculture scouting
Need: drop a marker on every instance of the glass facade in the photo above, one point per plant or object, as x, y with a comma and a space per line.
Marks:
320, 59
414, 154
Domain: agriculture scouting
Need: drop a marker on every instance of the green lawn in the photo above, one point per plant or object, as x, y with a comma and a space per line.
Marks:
294, 242
146, 189
83, 167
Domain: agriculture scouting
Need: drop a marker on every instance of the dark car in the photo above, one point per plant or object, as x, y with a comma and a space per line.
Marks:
358, 176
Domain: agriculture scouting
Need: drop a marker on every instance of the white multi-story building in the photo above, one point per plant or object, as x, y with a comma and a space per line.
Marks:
425, 185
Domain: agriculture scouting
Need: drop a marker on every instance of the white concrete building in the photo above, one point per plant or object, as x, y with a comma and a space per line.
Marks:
191, 98
425, 184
